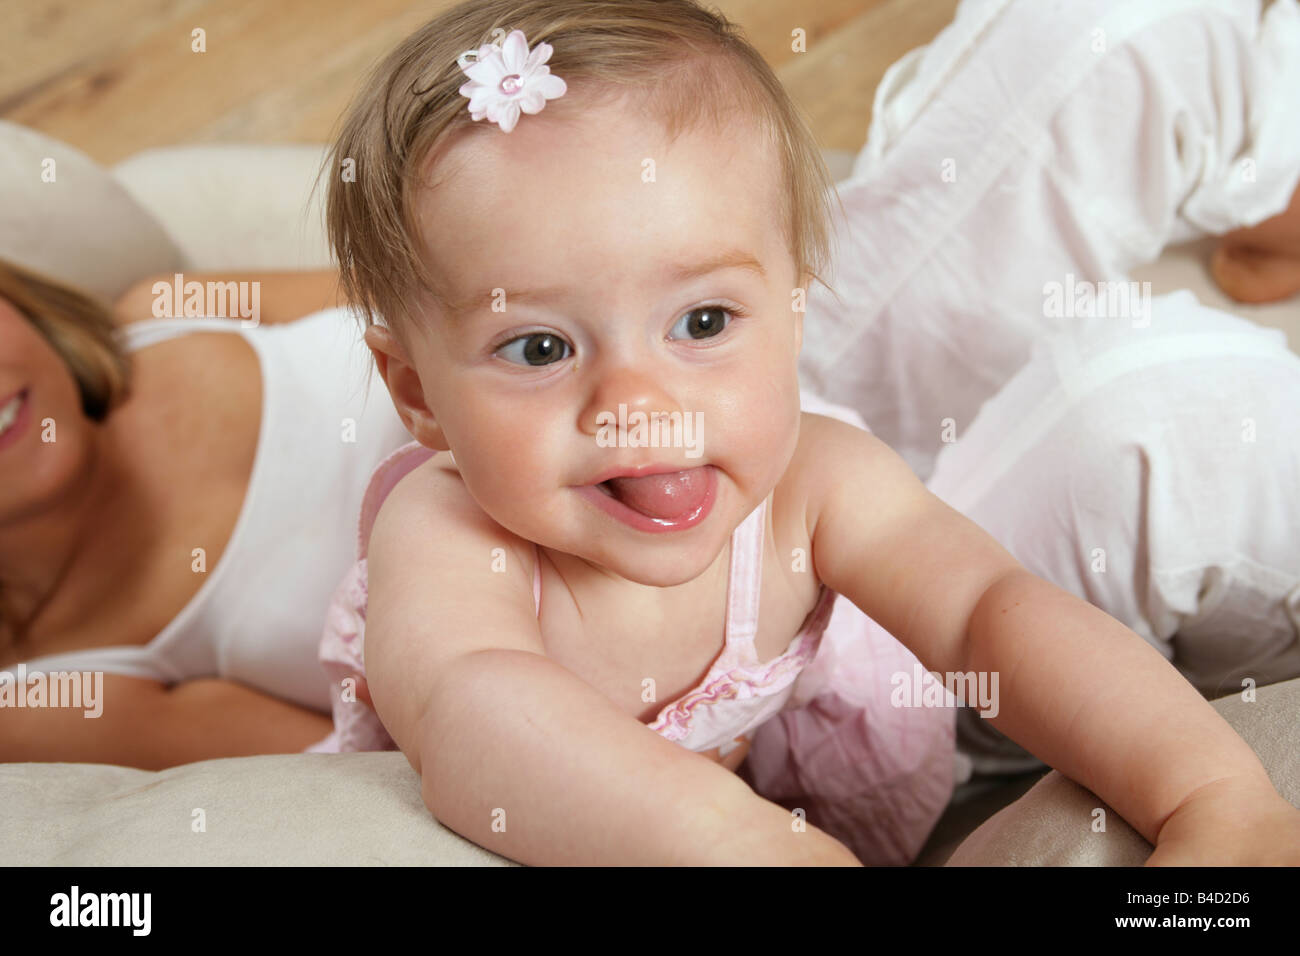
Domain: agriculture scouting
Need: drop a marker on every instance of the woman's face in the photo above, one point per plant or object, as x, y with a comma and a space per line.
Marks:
44, 432
668, 290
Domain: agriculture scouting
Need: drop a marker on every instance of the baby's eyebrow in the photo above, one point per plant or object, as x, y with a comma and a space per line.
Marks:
676, 273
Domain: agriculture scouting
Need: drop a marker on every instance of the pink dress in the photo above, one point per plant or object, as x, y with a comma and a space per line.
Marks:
824, 735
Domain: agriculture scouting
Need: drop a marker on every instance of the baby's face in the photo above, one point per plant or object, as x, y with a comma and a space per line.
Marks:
604, 273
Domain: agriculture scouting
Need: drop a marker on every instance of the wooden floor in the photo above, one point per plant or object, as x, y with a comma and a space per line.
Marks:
113, 77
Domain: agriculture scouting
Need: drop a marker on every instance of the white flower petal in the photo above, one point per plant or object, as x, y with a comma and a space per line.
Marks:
531, 101
541, 53
487, 71
550, 86
509, 116
482, 98
514, 52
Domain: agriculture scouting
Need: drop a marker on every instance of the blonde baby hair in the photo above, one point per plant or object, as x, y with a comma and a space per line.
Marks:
687, 62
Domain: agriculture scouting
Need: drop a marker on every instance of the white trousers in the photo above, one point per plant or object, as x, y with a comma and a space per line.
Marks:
1143, 455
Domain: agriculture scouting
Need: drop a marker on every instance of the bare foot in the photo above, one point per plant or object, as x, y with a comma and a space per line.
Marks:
1261, 263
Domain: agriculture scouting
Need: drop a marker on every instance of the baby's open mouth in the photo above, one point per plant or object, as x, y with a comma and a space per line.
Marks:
666, 496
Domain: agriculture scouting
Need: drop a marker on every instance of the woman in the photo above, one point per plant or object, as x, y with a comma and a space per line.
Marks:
177, 503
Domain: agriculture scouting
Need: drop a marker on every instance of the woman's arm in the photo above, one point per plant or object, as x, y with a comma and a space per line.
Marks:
282, 296
222, 718
143, 723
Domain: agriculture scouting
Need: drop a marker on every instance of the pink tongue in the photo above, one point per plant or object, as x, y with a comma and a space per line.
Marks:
662, 496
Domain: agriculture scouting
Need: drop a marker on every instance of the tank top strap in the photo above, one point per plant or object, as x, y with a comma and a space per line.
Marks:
745, 584
142, 334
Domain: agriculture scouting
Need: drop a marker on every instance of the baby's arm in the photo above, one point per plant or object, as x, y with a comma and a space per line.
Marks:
1077, 688
515, 752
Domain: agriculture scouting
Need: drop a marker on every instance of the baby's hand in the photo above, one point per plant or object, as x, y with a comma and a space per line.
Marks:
1230, 823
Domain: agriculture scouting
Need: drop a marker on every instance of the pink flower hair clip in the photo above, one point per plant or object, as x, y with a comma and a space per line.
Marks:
503, 80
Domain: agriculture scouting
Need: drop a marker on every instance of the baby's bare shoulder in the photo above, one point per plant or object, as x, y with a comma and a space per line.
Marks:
431, 518
830, 450
438, 590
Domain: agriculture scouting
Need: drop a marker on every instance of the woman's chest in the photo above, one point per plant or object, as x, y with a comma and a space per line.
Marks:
186, 442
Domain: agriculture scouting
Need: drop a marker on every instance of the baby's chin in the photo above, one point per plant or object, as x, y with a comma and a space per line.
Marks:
666, 573
660, 562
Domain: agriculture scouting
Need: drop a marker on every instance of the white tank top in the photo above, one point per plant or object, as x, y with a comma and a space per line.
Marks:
258, 616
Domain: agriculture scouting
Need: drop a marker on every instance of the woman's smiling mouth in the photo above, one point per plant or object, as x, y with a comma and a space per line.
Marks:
13, 417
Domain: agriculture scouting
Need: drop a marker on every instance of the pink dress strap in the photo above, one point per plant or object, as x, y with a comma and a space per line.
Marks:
386, 475
744, 588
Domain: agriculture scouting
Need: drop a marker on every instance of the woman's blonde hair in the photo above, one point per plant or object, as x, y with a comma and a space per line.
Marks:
79, 328
689, 62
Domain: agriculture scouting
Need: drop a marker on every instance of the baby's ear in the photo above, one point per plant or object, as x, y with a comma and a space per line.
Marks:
403, 381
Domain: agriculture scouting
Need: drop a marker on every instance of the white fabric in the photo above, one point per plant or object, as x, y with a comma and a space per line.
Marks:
1145, 461
1010, 153
1154, 473
257, 619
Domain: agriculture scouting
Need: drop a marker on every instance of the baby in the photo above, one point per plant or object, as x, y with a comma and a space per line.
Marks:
580, 235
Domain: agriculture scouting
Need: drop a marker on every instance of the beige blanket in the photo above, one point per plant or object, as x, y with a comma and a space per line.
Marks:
363, 809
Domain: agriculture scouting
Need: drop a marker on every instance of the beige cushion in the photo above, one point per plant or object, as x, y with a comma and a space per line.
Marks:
83, 228
231, 207
1051, 825
323, 809
307, 809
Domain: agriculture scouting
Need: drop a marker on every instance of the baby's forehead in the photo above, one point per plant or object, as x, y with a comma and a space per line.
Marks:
607, 180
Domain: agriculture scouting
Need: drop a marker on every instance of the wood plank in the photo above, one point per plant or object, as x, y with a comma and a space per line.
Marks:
116, 78
769, 24
836, 80
43, 41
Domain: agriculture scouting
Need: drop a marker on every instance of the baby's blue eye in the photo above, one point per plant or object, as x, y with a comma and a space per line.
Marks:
540, 348
702, 323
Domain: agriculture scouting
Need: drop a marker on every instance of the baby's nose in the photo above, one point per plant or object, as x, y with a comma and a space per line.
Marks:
630, 391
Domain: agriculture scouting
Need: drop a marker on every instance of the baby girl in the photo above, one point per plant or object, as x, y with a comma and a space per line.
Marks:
555, 215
